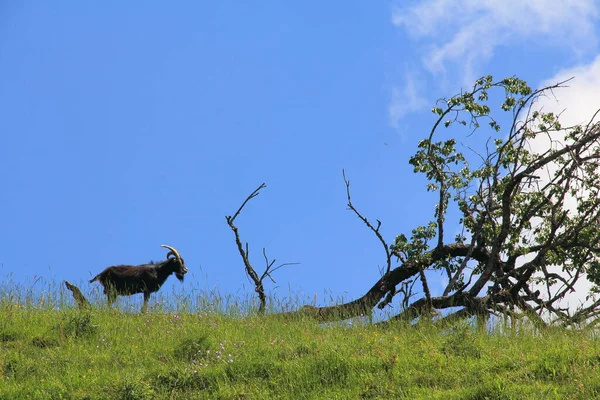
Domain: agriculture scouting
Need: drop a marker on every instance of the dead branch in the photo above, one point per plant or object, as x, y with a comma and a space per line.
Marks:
269, 265
245, 254
388, 254
258, 286
252, 195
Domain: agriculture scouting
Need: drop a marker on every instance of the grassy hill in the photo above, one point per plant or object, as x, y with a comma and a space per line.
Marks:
65, 353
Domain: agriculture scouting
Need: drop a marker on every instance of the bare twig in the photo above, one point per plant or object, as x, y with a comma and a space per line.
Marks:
268, 270
388, 254
252, 195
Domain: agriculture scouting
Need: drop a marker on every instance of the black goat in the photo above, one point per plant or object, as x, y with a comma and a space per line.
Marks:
125, 280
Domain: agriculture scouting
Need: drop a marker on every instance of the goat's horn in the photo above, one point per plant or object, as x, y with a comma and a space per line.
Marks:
173, 252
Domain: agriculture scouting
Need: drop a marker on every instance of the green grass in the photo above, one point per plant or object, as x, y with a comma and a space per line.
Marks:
49, 353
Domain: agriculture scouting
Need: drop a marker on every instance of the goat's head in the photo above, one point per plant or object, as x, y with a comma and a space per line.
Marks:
180, 269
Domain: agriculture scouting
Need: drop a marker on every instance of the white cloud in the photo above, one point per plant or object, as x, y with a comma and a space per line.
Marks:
466, 32
457, 38
404, 100
580, 100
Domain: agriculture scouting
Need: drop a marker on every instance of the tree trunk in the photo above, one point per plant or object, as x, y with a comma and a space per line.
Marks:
80, 299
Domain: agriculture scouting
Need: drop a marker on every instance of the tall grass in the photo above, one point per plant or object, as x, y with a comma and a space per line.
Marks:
51, 350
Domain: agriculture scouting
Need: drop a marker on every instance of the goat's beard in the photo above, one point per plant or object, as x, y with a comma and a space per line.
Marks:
179, 276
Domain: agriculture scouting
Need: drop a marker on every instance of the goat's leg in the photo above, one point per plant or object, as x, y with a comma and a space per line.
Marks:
146, 298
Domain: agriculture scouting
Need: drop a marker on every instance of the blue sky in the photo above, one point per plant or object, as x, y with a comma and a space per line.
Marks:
128, 125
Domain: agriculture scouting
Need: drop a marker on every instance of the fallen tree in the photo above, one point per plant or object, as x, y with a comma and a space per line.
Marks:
528, 215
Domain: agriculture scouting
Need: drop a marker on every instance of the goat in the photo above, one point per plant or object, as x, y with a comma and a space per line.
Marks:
126, 280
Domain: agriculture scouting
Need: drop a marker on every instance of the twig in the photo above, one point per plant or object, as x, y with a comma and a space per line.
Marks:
388, 255
268, 270
252, 195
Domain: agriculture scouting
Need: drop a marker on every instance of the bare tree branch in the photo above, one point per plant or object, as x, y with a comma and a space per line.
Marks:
258, 285
250, 197
245, 254
388, 254
269, 265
